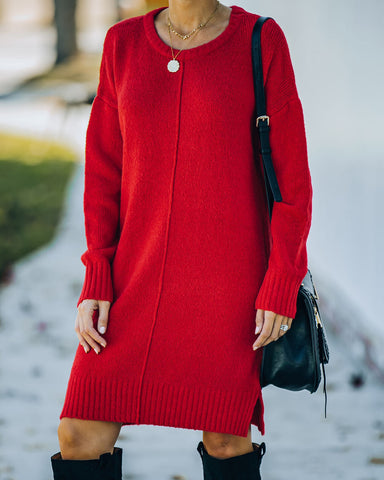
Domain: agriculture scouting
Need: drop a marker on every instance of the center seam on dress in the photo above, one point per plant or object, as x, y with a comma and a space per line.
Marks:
165, 243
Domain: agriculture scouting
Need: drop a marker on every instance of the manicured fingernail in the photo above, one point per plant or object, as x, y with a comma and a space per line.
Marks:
104, 345
85, 350
102, 330
96, 351
254, 347
257, 329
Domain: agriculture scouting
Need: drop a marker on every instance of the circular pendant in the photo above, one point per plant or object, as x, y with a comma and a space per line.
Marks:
173, 65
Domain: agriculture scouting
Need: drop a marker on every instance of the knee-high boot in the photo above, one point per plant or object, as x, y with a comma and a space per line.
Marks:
240, 467
106, 467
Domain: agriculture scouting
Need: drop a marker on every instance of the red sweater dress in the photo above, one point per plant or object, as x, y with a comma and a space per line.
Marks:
177, 227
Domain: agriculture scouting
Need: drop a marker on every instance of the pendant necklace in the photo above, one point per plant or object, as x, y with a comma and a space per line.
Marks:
174, 65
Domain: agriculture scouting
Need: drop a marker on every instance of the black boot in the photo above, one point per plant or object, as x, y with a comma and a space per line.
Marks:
106, 467
240, 467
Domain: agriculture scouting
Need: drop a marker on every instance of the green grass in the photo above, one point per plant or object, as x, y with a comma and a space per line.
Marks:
33, 179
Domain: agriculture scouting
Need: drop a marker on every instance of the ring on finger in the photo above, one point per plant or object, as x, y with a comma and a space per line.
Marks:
284, 327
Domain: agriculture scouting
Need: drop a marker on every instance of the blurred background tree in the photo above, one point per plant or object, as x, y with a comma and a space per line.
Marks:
65, 23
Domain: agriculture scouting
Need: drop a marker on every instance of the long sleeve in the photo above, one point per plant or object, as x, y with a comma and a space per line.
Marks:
102, 183
291, 218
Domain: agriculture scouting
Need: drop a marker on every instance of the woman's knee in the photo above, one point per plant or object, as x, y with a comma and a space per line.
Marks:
224, 445
86, 439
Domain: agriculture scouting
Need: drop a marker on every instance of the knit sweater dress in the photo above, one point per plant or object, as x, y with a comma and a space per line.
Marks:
177, 227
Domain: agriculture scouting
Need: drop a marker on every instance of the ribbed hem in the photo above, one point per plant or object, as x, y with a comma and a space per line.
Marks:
198, 408
278, 293
97, 283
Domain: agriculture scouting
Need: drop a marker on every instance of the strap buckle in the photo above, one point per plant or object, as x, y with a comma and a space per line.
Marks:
262, 117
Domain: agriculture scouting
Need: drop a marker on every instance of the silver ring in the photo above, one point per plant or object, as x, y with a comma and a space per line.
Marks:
284, 327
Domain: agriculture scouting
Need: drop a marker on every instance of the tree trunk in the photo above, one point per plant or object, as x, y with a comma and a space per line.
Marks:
65, 23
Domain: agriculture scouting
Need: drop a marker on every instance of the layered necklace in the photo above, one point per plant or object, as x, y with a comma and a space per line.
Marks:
174, 65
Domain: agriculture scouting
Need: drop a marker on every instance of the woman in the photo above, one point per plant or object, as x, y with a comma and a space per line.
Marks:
186, 280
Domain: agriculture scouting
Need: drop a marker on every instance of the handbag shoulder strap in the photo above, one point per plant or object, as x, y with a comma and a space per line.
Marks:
262, 120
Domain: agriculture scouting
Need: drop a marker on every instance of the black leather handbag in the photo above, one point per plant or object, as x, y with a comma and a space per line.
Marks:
292, 361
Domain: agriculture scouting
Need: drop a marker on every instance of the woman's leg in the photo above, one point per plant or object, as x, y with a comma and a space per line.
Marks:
223, 445
230, 457
86, 439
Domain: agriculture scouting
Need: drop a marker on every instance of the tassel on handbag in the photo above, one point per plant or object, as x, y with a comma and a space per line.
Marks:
293, 361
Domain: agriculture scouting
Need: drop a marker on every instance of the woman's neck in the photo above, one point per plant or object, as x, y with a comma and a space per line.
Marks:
187, 14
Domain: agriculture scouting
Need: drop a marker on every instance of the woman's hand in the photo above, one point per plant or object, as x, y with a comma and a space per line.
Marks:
88, 335
268, 324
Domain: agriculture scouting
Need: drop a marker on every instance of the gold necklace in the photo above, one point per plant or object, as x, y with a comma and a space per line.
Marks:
186, 36
174, 65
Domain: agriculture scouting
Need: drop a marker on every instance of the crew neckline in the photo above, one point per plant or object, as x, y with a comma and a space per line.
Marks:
162, 47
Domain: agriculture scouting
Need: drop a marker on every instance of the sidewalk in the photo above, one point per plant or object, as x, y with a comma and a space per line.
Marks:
37, 345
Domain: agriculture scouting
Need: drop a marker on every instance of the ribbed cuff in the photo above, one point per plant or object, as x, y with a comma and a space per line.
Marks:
278, 293
98, 282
